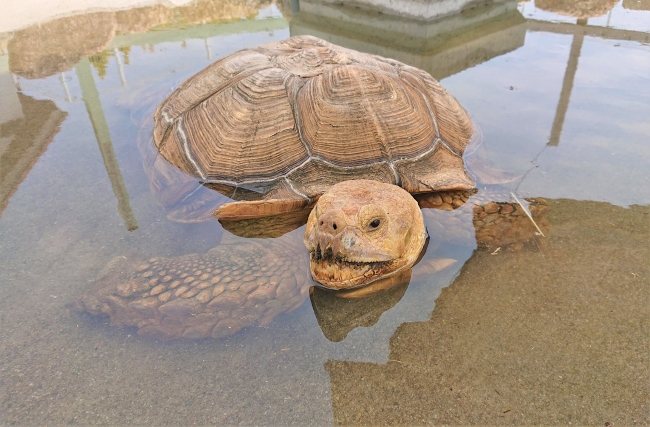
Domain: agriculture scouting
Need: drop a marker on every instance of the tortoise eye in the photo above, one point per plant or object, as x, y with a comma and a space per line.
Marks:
372, 218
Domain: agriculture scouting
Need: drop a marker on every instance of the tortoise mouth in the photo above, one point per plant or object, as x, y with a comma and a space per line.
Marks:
337, 272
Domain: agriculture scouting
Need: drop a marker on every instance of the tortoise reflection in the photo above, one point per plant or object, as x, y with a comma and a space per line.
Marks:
337, 316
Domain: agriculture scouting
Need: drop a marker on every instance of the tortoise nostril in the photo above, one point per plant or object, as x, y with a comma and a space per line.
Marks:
334, 226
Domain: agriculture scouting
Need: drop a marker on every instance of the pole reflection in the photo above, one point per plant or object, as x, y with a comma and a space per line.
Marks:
103, 137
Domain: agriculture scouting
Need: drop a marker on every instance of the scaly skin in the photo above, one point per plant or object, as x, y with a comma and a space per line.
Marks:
479, 219
201, 295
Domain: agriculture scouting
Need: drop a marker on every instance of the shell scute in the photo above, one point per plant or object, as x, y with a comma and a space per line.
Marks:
374, 115
204, 84
316, 176
245, 131
454, 125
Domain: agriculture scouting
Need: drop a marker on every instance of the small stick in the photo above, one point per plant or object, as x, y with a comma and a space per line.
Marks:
540, 249
528, 214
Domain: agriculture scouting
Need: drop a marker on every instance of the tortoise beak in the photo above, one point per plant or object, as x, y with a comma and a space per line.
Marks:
351, 246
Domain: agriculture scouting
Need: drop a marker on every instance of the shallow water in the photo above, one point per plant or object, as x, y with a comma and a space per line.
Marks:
553, 333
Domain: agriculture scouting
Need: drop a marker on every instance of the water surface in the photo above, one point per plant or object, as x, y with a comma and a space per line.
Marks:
554, 333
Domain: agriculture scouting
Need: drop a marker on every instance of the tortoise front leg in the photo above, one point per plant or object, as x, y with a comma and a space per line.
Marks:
260, 208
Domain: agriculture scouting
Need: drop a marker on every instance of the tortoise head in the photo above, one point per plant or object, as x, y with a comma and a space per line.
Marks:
361, 231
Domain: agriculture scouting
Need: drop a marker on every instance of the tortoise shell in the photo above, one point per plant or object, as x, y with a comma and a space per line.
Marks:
274, 127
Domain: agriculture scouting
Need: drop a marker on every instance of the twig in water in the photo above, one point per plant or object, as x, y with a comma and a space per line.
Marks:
528, 214
540, 249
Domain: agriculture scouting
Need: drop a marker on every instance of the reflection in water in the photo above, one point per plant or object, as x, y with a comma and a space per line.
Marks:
140, 20
211, 11
581, 10
56, 46
25, 132
636, 4
620, 22
578, 9
64, 83
579, 32
100, 62
43, 50
567, 87
442, 46
269, 226
514, 329
120, 64
103, 136
338, 316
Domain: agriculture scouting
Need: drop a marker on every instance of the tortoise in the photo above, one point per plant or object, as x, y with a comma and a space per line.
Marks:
267, 136
276, 126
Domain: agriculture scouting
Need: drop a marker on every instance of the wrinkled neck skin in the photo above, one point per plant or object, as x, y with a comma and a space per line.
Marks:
362, 231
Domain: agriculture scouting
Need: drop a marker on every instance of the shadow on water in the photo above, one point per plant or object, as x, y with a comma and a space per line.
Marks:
526, 329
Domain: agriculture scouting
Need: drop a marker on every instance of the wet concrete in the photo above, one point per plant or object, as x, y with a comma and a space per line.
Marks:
551, 336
